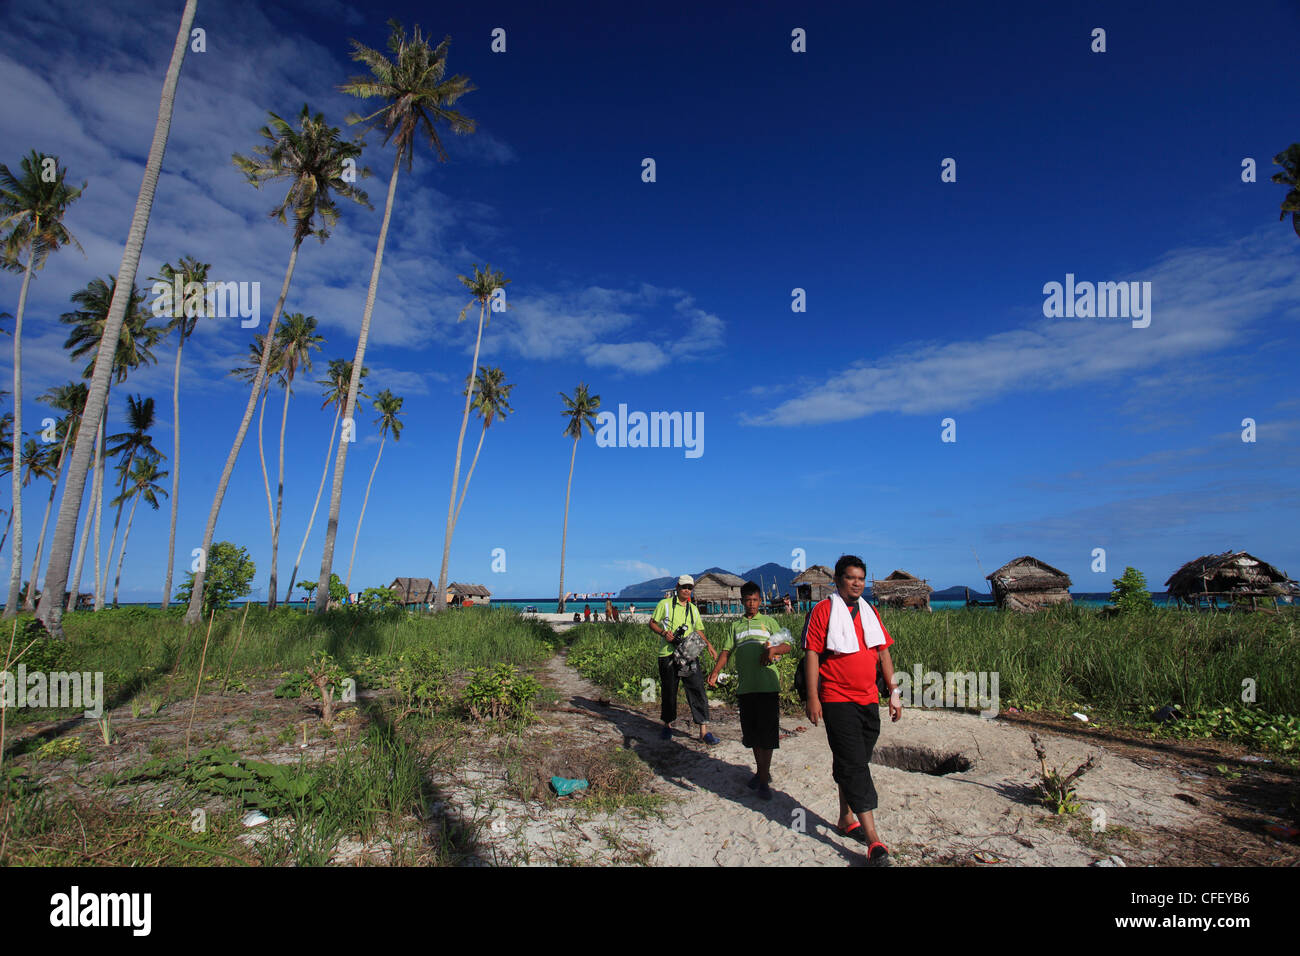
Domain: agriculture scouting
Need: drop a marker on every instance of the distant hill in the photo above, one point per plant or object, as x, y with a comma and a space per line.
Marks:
765, 574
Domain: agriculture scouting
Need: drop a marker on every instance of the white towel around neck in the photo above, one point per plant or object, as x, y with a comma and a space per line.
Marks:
842, 636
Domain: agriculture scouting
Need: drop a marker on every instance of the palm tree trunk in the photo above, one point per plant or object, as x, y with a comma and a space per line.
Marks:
29, 602
194, 614
8, 524
340, 461
279, 500
122, 557
329, 453
99, 511
16, 572
117, 521
50, 610
465, 490
90, 521
441, 599
564, 539
261, 454
176, 472
361, 517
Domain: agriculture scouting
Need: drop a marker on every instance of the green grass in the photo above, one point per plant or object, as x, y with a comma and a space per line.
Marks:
1059, 660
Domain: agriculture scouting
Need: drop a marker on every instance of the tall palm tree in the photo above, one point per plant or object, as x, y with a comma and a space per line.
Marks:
1289, 160
491, 401
185, 318
69, 399
388, 406
142, 485
482, 287
314, 161
298, 339
416, 97
32, 207
6, 462
249, 373
336, 394
135, 341
131, 444
580, 410
36, 460
50, 610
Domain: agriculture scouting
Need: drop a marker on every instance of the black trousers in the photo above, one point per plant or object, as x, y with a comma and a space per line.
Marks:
852, 731
695, 695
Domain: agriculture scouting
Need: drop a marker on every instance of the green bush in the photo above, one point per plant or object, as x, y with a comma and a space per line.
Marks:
229, 575
499, 693
1131, 592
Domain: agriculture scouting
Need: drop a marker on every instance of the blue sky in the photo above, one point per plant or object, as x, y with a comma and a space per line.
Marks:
775, 170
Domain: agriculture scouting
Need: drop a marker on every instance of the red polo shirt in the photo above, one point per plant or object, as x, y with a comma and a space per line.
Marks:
844, 677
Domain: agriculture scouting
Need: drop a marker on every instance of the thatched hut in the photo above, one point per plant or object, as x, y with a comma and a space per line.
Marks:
1027, 584
813, 585
459, 594
1230, 579
411, 591
902, 590
718, 592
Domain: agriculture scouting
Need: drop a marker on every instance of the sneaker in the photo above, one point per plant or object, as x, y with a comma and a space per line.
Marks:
710, 739
666, 733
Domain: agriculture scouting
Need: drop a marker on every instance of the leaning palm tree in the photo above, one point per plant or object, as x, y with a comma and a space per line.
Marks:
142, 485
50, 610
32, 207
249, 374
580, 410
136, 338
336, 394
482, 287
315, 161
416, 96
6, 462
298, 339
36, 460
134, 443
1289, 160
69, 399
388, 406
491, 401
185, 317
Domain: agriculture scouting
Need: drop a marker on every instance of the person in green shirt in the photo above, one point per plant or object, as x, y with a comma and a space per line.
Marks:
759, 689
671, 615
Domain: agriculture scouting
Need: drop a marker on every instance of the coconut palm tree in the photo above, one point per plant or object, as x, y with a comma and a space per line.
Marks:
482, 288
298, 339
69, 399
417, 97
491, 401
249, 374
142, 485
35, 461
32, 207
185, 317
131, 444
1289, 160
336, 394
315, 162
136, 338
388, 406
6, 462
50, 610
580, 410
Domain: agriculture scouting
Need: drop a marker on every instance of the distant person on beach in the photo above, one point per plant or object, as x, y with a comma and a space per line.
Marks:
759, 685
786, 606
586, 612
611, 612
846, 642
675, 618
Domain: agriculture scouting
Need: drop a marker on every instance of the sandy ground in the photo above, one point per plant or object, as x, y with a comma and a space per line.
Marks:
985, 814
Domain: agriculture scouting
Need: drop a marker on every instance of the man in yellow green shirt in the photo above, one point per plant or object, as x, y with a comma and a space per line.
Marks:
672, 614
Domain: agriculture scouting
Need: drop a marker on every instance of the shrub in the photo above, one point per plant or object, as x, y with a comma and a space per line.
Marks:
1131, 592
228, 576
499, 693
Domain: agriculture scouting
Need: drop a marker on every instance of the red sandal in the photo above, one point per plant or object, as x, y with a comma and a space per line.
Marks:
877, 855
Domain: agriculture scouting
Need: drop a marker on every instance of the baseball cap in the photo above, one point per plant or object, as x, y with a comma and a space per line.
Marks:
686, 579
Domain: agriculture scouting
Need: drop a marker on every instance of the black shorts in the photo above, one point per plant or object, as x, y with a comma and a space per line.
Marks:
760, 720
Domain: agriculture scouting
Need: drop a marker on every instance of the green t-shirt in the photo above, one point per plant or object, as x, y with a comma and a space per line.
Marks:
671, 614
746, 640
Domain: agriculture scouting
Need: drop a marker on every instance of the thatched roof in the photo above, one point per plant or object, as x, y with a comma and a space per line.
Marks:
900, 585
817, 574
413, 590
468, 590
1027, 573
1230, 573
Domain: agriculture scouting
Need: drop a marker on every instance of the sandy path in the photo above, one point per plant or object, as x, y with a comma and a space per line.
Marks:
984, 814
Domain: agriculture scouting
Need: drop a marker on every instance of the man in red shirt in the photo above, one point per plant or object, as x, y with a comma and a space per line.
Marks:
844, 647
